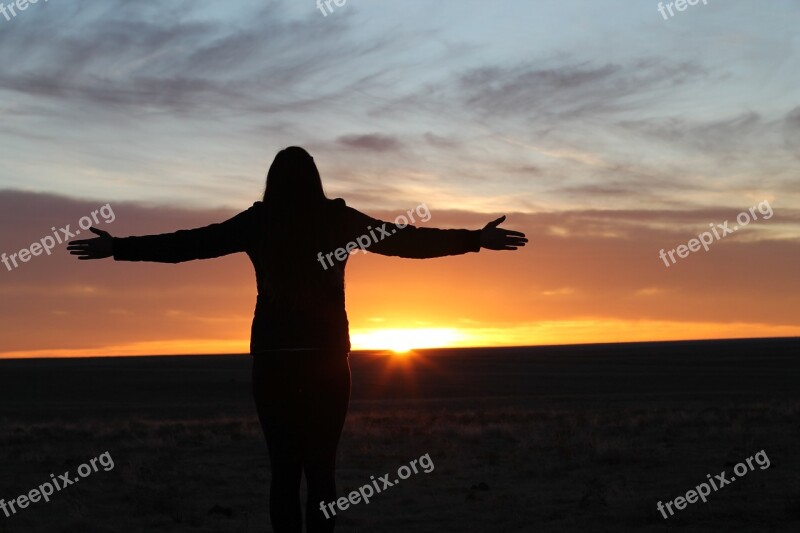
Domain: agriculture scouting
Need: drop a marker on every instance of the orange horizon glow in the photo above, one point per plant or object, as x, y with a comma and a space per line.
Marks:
404, 341
565, 288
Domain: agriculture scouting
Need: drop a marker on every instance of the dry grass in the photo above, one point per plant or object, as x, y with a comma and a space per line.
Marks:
568, 468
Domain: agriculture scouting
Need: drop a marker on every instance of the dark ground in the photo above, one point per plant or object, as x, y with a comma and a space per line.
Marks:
576, 438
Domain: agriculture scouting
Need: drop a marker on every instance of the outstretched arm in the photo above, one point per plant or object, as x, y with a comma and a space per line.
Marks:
215, 240
386, 238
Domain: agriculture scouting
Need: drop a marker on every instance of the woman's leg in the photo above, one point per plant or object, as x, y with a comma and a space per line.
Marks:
276, 390
325, 398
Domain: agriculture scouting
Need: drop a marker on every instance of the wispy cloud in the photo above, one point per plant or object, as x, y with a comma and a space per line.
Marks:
374, 142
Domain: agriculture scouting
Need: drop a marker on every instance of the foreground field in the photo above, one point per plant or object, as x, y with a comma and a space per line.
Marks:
573, 442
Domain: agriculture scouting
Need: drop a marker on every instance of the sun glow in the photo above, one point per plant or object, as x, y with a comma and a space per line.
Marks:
403, 340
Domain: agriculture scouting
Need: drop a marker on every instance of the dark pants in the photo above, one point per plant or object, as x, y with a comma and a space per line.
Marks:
301, 399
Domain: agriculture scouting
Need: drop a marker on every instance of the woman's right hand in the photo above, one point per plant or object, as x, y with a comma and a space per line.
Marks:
97, 248
494, 238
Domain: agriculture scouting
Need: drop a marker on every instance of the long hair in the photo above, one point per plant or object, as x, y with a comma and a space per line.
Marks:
297, 228
293, 181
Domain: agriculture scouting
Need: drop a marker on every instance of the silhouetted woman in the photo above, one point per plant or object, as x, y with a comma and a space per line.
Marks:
299, 338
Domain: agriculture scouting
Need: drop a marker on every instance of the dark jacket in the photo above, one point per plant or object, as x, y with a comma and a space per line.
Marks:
277, 325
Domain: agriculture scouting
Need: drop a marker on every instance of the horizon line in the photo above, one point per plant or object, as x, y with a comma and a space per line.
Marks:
450, 348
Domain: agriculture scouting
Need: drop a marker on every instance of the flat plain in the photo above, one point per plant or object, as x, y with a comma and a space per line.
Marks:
568, 438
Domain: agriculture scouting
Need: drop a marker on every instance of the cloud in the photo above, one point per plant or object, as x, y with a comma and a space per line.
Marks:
572, 91
440, 141
374, 142
723, 136
791, 131
175, 59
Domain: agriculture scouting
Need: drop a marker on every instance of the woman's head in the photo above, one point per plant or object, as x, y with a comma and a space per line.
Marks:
297, 229
293, 181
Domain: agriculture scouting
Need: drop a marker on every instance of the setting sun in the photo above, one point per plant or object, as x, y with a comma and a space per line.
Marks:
403, 340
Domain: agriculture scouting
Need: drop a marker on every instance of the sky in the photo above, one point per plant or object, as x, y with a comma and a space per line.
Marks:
603, 130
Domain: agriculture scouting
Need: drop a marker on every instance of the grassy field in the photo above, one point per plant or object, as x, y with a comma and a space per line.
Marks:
543, 439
